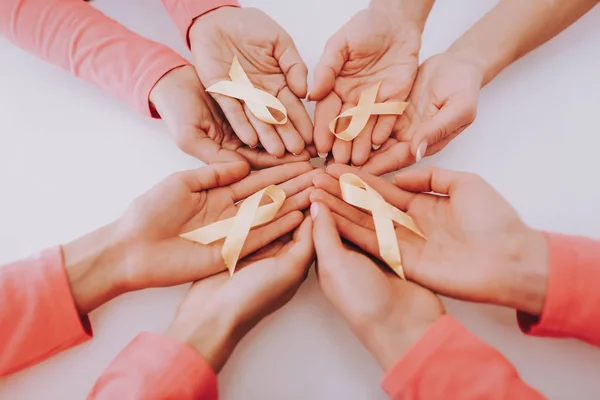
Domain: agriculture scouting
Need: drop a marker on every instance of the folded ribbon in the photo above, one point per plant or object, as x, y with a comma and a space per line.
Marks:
357, 193
257, 100
235, 230
363, 111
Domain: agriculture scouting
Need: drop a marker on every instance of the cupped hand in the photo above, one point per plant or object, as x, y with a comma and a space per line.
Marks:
269, 57
198, 126
477, 247
378, 45
443, 103
219, 310
386, 313
158, 256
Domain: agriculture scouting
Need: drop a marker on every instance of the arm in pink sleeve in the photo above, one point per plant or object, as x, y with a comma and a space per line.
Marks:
38, 317
158, 367
183, 12
571, 307
449, 362
75, 36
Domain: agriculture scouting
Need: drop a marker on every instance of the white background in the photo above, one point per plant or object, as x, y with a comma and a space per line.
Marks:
72, 158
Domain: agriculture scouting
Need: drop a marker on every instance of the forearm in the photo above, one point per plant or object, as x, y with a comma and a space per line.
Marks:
415, 10
77, 37
515, 27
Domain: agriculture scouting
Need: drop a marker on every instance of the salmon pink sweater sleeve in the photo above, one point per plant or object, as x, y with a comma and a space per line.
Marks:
38, 318
77, 37
477, 370
184, 12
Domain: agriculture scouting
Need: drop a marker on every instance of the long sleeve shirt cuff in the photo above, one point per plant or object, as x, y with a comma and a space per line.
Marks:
38, 312
450, 362
184, 12
158, 367
571, 305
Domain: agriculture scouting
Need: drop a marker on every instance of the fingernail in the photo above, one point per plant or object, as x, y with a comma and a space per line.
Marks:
314, 210
375, 146
308, 96
421, 150
323, 155
295, 155
253, 147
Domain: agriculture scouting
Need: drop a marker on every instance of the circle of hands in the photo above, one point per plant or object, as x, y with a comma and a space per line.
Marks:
475, 241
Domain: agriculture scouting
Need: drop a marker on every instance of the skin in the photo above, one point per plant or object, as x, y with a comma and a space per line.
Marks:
379, 44
268, 55
444, 95
143, 249
198, 126
390, 314
477, 248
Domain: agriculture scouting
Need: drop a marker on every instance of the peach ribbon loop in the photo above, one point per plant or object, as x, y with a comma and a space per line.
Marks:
235, 230
363, 111
257, 100
357, 193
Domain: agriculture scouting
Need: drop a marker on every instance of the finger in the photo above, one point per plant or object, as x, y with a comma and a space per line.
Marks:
301, 182
292, 140
260, 159
391, 193
298, 115
342, 208
328, 183
212, 176
450, 118
262, 236
325, 111
383, 129
393, 159
299, 254
297, 202
234, 111
268, 136
328, 244
431, 179
329, 67
364, 238
205, 149
270, 176
361, 145
294, 68
342, 150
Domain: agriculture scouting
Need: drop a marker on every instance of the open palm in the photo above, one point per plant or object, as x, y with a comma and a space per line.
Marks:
269, 58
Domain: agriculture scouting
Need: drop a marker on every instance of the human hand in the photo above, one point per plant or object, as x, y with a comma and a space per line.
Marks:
443, 103
270, 58
143, 248
219, 310
477, 247
198, 126
379, 44
386, 313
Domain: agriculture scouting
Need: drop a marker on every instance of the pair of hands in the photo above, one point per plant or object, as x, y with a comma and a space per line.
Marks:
477, 249
142, 249
379, 44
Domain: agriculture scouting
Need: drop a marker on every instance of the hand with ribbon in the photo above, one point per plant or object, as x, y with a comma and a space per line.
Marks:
269, 63
198, 126
143, 248
219, 310
443, 103
386, 313
371, 59
477, 248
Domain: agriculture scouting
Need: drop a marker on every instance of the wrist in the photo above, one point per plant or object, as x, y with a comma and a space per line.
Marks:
92, 263
161, 93
413, 10
212, 336
226, 10
527, 281
471, 61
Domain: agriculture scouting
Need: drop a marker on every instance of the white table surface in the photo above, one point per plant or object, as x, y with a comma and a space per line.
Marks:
72, 158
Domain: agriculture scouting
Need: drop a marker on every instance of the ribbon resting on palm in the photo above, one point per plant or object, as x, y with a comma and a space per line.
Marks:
257, 100
357, 193
235, 230
362, 112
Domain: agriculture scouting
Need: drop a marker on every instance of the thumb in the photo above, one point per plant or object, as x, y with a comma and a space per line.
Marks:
450, 118
329, 67
328, 244
216, 175
294, 69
